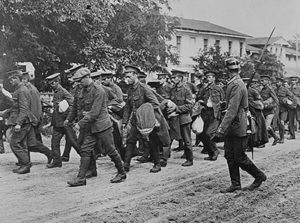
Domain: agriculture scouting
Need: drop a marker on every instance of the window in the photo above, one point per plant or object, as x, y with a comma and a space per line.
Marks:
217, 43
229, 47
276, 50
241, 48
205, 44
193, 40
178, 43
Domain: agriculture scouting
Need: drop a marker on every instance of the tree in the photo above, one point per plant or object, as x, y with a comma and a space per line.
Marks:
54, 33
211, 59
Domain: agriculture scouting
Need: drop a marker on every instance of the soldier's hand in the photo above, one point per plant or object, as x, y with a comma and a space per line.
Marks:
217, 137
66, 122
17, 128
76, 126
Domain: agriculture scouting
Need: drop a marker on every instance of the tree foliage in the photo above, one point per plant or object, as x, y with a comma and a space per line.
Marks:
54, 33
213, 59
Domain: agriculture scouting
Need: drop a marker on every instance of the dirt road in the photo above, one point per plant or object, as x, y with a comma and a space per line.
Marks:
176, 194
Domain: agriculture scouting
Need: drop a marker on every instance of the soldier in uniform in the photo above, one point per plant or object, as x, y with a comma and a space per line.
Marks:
270, 102
138, 94
285, 98
57, 122
181, 95
234, 128
164, 87
95, 127
107, 80
211, 114
294, 113
22, 120
5, 103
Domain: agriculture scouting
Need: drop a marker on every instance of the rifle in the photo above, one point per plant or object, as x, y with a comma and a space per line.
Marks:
260, 57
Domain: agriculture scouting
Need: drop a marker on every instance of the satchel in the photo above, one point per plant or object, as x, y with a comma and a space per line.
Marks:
251, 125
197, 125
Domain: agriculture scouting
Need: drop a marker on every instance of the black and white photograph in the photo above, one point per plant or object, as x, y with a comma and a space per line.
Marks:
149, 111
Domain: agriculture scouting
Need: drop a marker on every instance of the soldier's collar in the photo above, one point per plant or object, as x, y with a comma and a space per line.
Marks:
234, 78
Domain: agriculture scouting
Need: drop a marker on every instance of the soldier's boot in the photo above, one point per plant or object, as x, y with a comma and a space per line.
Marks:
80, 180
273, 134
128, 154
234, 173
121, 176
23, 169
166, 153
189, 157
2, 150
92, 170
259, 177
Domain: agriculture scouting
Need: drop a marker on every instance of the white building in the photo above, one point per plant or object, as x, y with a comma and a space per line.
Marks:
279, 47
194, 35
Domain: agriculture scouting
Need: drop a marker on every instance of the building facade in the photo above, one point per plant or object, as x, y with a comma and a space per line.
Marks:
192, 36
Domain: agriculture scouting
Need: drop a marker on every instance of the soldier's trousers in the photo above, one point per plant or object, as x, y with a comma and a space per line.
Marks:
185, 131
58, 133
293, 114
105, 141
210, 127
2, 132
236, 158
131, 144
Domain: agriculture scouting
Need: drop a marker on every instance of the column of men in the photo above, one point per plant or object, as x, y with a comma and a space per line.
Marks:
153, 117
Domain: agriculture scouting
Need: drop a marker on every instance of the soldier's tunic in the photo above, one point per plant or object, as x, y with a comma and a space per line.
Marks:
283, 95
95, 126
20, 115
181, 95
267, 93
5, 103
211, 116
164, 90
139, 94
294, 113
59, 130
234, 126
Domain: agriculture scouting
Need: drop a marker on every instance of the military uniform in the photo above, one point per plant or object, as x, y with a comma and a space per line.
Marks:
268, 94
234, 128
211, 115
283, 95
5, 103
139, 94
59, 130
181, 95
95, 127
294, 113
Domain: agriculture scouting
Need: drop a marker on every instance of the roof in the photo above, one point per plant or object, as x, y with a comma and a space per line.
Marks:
204, 26
262, 40
293, 52
252, 48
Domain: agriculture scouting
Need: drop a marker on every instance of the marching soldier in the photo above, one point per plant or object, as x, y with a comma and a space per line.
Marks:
295, 112
270, 102
181, 95
95, 127
5, 103
22, 121
211, 114
58, 118
285, 98
234, 128
138, 94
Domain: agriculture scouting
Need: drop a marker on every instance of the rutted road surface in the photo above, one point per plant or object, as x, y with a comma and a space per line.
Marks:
176, 194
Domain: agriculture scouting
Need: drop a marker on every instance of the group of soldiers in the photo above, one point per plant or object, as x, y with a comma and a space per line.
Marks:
101, 116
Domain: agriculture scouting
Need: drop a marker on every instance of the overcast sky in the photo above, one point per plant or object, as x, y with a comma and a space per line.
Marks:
253, 17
